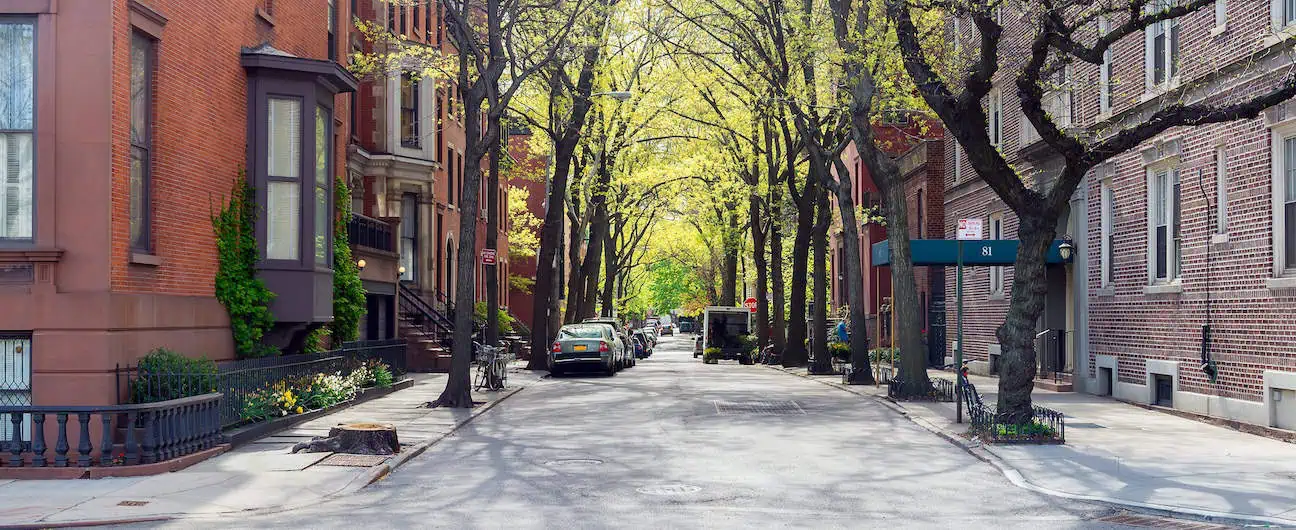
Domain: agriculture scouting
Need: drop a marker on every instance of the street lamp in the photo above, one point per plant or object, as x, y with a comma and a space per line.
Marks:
1064, 250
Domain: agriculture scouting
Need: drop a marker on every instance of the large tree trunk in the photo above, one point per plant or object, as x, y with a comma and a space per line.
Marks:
821, 362
729, 274
762, 273
795, 353
575, 287
904, 297
861, 372
492, 242
590, 269
776, 270
1017, 333
609, 275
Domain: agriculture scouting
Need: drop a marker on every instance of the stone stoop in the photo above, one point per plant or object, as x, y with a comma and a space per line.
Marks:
1062, 384
425, 352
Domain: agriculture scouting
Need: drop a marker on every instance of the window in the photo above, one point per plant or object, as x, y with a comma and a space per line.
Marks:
323, 155
1285, 214
450, 180
440, 25
1107, 226
141, 136
1163, 212
404, 23
995, 117
1221, 13
427, 20
17, 127
409, 111
332, 30
1284, 13
1221, 190
449, 266
1162, 55
1105, 71
996, 273
921, 232
16, 371
409, 235
440, 126
459, 165
958, 162
283, 191
353, 103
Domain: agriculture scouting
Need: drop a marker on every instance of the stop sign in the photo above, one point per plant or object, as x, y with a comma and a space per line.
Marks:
750, 304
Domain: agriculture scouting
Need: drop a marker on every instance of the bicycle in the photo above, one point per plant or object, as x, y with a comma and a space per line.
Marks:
492, 367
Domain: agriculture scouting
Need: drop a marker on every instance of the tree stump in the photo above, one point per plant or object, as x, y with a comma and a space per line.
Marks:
355, 439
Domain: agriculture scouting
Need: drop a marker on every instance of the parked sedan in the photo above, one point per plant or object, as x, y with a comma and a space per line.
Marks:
642, 339
667, 329
651, 333
585, 346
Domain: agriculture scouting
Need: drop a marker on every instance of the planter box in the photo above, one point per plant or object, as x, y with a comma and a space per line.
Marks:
247, 433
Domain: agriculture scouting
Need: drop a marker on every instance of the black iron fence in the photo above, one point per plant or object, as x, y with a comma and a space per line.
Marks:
127, 434
1047, 426
938, 389
238, 380
369, 232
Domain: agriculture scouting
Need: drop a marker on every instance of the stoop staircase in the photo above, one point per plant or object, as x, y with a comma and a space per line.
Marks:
427, 330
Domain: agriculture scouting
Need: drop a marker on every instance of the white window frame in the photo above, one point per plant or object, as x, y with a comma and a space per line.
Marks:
1164, 27
1280, 135
1281, 20
427, 119
994, 117
18, 150
1107, 229
958, 163
996, 272
1221, 16
1221, 190
1104, 71
1161, 197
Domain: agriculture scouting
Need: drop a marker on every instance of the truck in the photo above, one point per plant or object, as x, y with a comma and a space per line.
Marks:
728, 328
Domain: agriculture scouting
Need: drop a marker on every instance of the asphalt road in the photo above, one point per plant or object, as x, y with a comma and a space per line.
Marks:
673, 443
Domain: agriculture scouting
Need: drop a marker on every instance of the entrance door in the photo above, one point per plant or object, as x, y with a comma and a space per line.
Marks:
1052, 327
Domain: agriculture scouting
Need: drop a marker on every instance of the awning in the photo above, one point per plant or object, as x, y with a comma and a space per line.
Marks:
942, 252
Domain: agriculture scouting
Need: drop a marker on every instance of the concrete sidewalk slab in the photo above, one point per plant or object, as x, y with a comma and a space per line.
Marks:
257, 477
1127, 455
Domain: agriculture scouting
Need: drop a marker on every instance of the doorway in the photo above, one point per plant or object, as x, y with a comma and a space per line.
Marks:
1164, 389
1105, 381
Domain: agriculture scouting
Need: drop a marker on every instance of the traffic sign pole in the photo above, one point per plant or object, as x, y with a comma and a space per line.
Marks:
958, 348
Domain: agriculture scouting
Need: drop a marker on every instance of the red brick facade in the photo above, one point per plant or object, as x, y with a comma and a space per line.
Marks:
1130, 322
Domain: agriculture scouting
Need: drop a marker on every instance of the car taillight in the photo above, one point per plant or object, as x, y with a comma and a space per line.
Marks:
603, 346
557, 348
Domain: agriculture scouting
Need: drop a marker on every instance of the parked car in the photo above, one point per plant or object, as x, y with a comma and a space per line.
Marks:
626, 358
585, 346
697, 347
686, 327
640, 338
667, 329
651, 333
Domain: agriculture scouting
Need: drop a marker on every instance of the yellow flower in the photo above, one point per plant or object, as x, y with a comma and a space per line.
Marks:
299, 410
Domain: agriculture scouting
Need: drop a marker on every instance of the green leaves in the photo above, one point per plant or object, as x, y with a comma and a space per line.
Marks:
348, 292
245, 297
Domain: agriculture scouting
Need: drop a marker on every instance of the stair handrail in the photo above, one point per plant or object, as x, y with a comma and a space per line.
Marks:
425, 310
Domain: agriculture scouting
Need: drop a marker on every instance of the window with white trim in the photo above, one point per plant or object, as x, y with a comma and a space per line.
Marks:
1107, 222
1221, 190
1105, 71
958, 162
994, 117
1221, 13
1283, 13
17, 127
283, 191
996, 273
1284, 199
1164, 252
1162, 55
1056, 104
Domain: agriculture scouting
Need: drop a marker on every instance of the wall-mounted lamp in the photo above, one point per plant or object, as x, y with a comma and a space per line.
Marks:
401, 270
1065, 249
361, 264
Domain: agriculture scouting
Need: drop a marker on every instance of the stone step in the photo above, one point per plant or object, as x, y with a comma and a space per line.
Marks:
1055, 386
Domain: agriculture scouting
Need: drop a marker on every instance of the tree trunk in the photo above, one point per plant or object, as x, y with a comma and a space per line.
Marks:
762, 274
776, 270
821, 362
861, 372
904, 297
1017, 333
729, 275
590, 269
354, 439
795, 353
575, 287
609, 275
492, 242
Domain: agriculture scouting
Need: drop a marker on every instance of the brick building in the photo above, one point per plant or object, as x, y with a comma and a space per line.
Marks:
123, 123
1194, 228
918, 147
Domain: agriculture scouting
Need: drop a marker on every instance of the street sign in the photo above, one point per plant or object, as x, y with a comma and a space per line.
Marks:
969, 228
750, 304
488, 256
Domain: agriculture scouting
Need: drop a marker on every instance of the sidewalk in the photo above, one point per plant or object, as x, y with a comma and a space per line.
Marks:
259, 476
1127, 455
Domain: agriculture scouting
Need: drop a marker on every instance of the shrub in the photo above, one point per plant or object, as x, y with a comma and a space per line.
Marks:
839, 350
348, 290
504, 322
165, 374
711, 355
877, 355
383, 377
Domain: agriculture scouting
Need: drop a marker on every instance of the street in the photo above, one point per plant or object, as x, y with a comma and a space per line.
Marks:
674, 443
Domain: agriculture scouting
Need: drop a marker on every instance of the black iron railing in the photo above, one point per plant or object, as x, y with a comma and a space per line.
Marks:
1047, 426
938, 389
127, 434
369, 232
419, 312
238, 380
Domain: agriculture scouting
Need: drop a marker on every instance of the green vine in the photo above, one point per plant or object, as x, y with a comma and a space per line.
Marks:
245, 297
348, 292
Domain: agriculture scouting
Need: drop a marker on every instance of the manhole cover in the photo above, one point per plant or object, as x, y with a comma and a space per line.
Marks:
1084, 426
574, 462
132, 503
668, 489
339, 459
758, 407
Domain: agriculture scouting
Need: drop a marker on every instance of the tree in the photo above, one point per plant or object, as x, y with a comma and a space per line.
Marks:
1057, 34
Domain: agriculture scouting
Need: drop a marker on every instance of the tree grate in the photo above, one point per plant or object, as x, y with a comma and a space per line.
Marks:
1147, 521
726, 408
345, 460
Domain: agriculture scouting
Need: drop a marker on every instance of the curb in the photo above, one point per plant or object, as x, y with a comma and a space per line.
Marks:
358, 483
1015, 477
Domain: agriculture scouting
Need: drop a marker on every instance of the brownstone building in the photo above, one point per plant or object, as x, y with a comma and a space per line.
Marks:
1184, 245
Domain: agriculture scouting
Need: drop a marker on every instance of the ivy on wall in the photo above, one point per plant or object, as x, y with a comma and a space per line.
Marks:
245, 297
348, 292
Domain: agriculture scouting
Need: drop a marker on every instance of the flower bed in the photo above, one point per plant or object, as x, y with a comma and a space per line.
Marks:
299, 395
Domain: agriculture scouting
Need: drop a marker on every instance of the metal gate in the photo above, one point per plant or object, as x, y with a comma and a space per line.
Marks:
15, 379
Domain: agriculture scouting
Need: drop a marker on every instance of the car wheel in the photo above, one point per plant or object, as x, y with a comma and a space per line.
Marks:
611, 370
555, 371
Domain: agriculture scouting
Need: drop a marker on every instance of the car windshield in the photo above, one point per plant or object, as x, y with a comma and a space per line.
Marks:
580, 332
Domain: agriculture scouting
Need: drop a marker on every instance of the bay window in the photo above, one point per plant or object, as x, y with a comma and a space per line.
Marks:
17, 127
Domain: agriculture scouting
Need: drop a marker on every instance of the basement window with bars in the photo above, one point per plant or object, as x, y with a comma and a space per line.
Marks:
17, 127
15, 379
